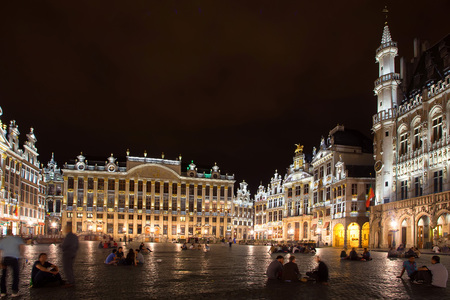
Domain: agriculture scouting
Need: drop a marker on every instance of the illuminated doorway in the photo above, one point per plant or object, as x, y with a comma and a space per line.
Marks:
365, 235
353, 235
338, 235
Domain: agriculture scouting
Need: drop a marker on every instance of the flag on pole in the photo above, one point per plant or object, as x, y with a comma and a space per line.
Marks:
16, 211
370, 196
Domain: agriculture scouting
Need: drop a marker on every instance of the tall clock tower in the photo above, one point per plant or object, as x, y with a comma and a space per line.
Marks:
384, 128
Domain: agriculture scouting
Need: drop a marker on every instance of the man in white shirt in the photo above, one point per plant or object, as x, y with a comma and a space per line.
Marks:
439, 274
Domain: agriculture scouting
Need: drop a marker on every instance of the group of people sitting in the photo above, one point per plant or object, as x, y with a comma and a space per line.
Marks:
192, 246
107, 244
298, 248
289, 272
401, 252
117, 257
435, 274
353, 255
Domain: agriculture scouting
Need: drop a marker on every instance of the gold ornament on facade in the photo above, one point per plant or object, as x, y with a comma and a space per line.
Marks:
299, 148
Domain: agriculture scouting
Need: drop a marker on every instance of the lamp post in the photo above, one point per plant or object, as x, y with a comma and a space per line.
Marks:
291, 233
319, 239
53, 227
394, 230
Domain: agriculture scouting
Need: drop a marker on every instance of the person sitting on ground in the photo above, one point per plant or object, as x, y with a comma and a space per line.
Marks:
105, 245
295, 249
272, 249
366, 255
112, 258
184, 247
139, 257
417, 252
401, 248
192, 246
320, 274
131, 258
143, 249
436, 249
100, 245
343, 254
43, 272
120, 254
275, 269
392, 252
290, 271
285, 249
436, 274
353, 255
207, 248
410, 266
410, 253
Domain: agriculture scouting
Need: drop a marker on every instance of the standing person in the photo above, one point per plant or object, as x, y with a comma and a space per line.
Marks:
290, 271
230, 242
320, 274
69, 248
410, 266
275, 269
125, 239
12, 248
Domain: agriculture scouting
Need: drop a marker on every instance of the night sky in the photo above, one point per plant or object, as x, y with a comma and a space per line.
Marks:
227, 81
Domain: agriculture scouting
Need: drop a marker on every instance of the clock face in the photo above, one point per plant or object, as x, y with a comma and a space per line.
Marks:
111, 168
378, 166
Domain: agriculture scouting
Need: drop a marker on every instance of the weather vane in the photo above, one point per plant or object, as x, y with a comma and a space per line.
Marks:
385, 12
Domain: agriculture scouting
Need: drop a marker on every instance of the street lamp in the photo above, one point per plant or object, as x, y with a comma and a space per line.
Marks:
291, 233
394, 230
319, 233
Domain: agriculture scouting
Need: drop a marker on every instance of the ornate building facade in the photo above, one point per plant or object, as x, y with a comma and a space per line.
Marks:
147, 197
54, 182
411, 146
243, 213
22, 206
324, 200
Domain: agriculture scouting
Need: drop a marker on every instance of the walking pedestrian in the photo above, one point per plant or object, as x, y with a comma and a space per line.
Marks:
230, 242
12, 248
69, 248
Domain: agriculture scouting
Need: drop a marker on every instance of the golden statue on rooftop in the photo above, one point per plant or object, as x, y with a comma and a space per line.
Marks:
299, 148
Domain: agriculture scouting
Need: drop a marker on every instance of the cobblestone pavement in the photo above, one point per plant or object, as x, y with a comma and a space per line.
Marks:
225, 273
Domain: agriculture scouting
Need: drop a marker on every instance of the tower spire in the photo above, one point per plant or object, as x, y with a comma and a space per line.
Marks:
386, 38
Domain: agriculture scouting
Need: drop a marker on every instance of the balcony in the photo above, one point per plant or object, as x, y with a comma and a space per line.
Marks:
386, 45
384, 115
386, 78
432, 199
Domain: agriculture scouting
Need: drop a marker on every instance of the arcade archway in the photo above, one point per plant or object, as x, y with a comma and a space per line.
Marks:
338, 235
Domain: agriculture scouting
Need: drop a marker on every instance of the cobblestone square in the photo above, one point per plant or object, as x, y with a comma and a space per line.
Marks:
224, 273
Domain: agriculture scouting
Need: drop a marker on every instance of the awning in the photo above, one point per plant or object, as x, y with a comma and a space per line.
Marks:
326, 225
314, 227
42, 224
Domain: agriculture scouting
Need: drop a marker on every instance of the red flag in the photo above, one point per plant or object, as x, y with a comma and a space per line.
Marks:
370, 196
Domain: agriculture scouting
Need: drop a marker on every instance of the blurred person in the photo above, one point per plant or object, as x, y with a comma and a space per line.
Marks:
12, 248
69, 248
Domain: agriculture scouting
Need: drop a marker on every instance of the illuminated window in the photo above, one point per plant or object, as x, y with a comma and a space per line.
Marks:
437, 129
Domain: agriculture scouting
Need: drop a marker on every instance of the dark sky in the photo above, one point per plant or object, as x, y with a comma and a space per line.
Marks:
236, 82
